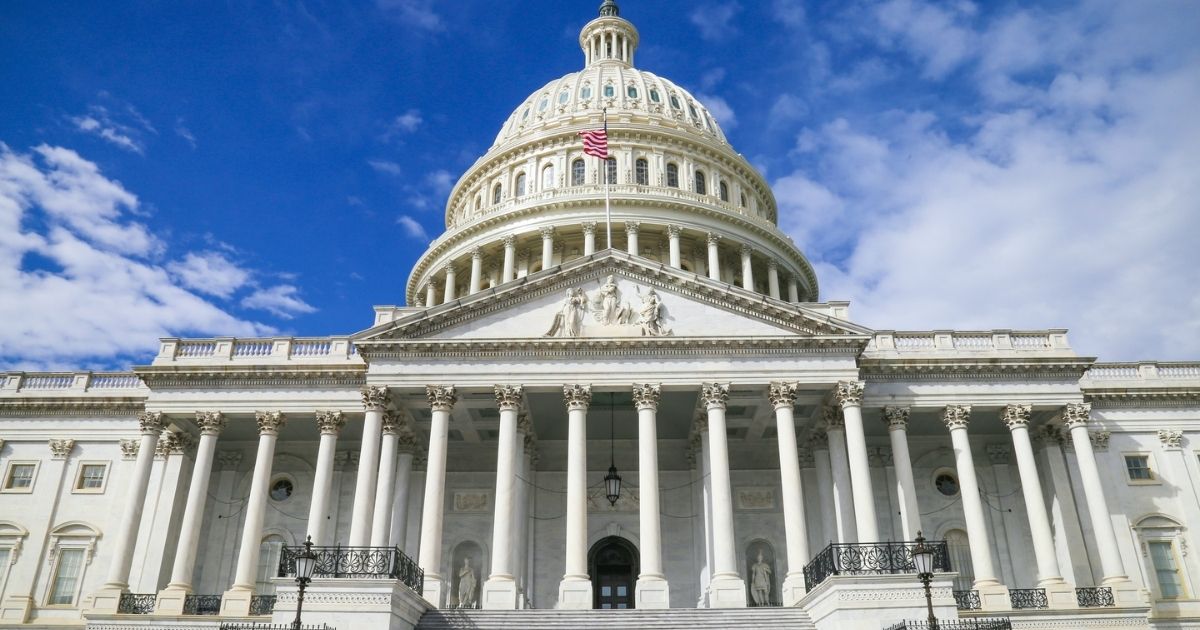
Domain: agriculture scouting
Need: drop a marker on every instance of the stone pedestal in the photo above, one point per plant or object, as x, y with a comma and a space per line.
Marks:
994, 597
1127, 594
793, 589
871, 602
236, 602
345, 603
574, 594
727, 592
499, 593
170, 601
652, 592
434, 591
16, 608
105, 600
1059, 594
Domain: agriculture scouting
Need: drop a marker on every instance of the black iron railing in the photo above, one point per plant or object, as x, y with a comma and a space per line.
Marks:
1095, 597
262, 604
271, 626
1028, 598
358, 562
202, 605
136, 603
870, 559
956, 624
967, 600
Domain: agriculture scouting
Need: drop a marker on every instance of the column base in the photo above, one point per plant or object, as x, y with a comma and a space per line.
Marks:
1059, 594
652, 592
16, 608
236, 602
170, 601
434, 590
993, 596
727, 591
499, 593
1126, 593
106, 600
793, 589
575, 594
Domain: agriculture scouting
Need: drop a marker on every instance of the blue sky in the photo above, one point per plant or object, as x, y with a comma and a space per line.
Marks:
258, 168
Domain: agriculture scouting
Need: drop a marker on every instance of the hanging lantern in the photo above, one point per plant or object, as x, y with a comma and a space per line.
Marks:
612, 485
612, 481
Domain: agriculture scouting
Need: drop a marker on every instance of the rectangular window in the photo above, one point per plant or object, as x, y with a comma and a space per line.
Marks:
20, 476
1166, 570
91, 477
1138, 468
66, 577
5, 557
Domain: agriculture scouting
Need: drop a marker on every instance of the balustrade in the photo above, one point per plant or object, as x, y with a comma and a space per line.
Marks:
955, 624
137, 603
357, 562
262, 605
273, 626
1095, 597
253, 348
870, 559
202, 605
967, 600
1028, 598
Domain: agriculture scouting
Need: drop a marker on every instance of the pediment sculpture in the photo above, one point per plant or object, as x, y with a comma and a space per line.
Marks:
610, 314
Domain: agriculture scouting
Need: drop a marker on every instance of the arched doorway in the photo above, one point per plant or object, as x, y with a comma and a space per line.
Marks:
613, 567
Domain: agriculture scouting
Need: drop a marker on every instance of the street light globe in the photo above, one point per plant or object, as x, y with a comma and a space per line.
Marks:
922, 555
306, 562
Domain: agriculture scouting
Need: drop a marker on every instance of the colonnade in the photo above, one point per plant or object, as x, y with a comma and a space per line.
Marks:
385, 464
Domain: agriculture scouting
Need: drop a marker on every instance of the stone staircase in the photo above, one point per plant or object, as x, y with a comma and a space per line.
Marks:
674, 619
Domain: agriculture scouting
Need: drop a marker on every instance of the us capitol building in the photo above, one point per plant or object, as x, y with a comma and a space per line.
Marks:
555, 422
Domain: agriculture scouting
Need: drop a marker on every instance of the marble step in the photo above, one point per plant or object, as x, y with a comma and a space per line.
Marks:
674, 619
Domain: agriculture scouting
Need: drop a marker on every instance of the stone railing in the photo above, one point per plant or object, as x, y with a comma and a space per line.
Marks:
955, 624
1145, 372
883, 558
105, 383
950, 342
357, 562
256, 350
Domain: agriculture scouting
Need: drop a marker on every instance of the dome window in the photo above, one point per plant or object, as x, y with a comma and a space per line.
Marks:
655, 96
585, 93
692, 110
525, 114
675, 102
673, 175
701, 184
631, 91
548, 177
577, 172
478, 201
642, 172
563, 96
724, 192
496, 194
520, 185
610, 170
742, 200
544, 104
609, 91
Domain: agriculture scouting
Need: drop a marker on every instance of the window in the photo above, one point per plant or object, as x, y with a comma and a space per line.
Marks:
642, 172
282, 489
5, 562
675, 102
478, 201
1137, 467
577, 171
20, 477
91, 477
695, 114
742, 200
1166, 569
563, 96
610, 170
655, 96
673, 176
585, 92
496, 194
525, 114
701, 184
545, 102
521, 185
548, 177
631, 91
724, 191
67, 569
609, 91
946, 484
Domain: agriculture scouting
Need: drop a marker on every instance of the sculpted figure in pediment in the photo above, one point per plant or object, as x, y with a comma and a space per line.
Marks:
650, 316
607, 307
568, 321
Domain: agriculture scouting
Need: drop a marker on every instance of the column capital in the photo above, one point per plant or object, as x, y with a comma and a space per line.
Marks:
210, 422
673, 231
393, 422
477, 253
772, 264
171, 443
269, 422
880, 456
832, 415
782, 394
509, 397
896, 418
1050, 433
547, 232
419, 299
999, 453
713, 238
1016, 416
818, 440
228, 460
699, 424
524, 424
447, 268
330, 422
441, 397
374, 398
1100, 439
60, 449
646, 396
956, 416
632, 227
1171, 440
577, 397
407, 443
746, 249
714, 395
849, 393
1077, 414
344, 460
589, 227
151, 422
509, 241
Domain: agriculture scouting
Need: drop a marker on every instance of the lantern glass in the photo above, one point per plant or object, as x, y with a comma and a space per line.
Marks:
612, 485
922, 555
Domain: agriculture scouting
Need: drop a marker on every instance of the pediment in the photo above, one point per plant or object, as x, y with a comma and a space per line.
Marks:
611, 295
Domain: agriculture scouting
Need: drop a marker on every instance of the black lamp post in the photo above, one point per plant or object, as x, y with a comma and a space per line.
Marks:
923, 559
306, 564
612, 481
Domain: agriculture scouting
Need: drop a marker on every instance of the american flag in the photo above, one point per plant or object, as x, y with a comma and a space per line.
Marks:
595, 142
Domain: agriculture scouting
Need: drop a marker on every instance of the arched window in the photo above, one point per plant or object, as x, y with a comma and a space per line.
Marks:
478, 201
724, 191
520, 185
496, 194
610, 170
631, 91
543, 104
609, 91
673, 175
563, 96
701, 184
577, 172
642, 172
585, 93
548, 177
742, 200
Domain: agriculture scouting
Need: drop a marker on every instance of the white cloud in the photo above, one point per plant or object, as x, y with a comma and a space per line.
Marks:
412, 228
281, 300
387, 167
210, 273
182, 131
441, 181
715, 20
408, 121
418, 13
124, 129
720, 109
789, 12
78, 275
934, 34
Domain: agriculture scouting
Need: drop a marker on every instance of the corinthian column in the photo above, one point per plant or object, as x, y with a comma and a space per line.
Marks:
236, 601
375, 400
631, 236
849, 395
651, 590
547, 247
747, 268
575, 590
726, 589
673, 232
500, 590
714, 256
509, 271
773, 278
330, 424
385, 490
171, 599
450, 290
896, 419
407, 447
476, 271
783, 398
441, 401
839, 468
589, 238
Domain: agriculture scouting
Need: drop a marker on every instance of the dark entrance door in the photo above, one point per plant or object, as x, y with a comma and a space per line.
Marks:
613, 567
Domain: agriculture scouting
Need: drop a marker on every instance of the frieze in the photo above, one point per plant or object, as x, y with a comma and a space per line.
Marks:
72, 407
753, 499
629, 501
351, 376
470, 501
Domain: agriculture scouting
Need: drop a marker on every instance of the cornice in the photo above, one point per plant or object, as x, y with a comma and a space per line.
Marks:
1143, 397
661, 347
162, 377
71, 406
997, 368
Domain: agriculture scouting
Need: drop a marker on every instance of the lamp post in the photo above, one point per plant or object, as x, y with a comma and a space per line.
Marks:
306, 564
612, 481
922, 555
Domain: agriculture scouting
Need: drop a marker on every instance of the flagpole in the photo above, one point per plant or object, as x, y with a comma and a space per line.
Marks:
604, 171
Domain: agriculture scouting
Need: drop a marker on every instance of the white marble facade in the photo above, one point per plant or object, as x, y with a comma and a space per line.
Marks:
471, 428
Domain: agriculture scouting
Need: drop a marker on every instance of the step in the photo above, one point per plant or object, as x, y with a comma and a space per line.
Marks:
673, 619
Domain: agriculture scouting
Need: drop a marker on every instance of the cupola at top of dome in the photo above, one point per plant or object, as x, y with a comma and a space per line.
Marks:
609, 39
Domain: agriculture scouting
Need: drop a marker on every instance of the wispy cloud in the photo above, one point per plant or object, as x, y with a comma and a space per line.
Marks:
210, 273
412, 228
117, 123
283, 301
416, 13
715, 20
182, 131
387, 167
720, 110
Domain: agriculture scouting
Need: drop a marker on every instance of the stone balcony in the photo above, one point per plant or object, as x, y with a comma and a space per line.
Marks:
956, 344
256, 351
73, 384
